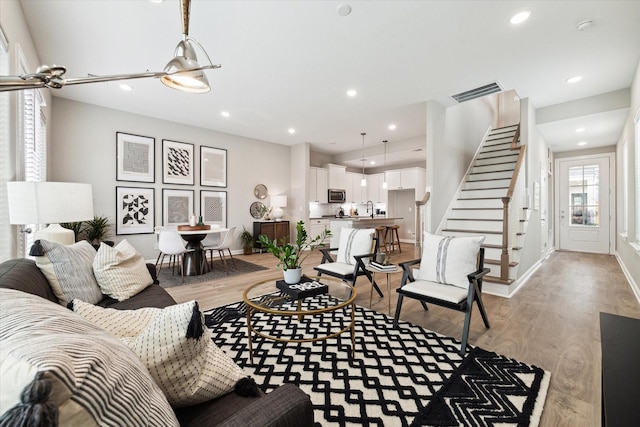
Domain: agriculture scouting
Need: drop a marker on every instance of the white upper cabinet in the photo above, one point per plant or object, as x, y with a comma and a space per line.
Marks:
375, 192
318, 185
411, 178
355, 192
337, 176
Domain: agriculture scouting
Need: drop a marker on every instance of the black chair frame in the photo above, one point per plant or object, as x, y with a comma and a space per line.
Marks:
359, 268
465, 306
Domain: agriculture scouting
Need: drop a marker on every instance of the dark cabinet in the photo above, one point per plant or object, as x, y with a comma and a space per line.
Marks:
274, 230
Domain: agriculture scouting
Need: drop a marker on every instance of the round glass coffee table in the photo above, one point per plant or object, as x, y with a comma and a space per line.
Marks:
308, 317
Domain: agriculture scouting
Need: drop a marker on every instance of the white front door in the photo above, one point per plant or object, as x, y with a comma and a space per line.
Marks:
584, 203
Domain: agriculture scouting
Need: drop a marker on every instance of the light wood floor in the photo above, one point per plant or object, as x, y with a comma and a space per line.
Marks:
551, 322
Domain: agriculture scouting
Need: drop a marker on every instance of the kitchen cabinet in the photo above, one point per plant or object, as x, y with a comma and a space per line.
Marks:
411, 178
375, 192
355, 192
274, 230
317, 226
318, 185
337, 176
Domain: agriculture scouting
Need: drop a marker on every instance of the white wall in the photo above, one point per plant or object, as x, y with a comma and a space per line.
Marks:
83, 149
628, 256
452, 138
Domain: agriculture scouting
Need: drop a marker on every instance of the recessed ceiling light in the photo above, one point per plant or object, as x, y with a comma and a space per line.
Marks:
520, 17
574, 79
351, 93
125, 87
372, 162
582, 143
225, 114
578, 130
344, 10
392, 127
156, 1
292, 131
584, 25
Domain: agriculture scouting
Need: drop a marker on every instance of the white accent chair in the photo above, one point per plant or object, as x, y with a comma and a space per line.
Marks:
170, 243
355, 249
223, 245
450, 275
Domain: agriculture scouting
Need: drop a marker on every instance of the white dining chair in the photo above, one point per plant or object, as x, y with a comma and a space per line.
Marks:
223, 245
170, 243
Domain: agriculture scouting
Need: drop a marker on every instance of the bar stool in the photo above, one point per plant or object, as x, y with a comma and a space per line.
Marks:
395, 239
381, 234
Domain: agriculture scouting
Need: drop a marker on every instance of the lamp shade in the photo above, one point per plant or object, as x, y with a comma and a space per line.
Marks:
279, 201
49, 202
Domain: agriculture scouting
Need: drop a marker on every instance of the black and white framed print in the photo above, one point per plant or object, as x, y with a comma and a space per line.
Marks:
213, 207
135, 213
135, 157
213, 167
177, 206
177, 162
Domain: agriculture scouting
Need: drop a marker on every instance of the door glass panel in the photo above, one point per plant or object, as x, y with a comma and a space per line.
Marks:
584, 195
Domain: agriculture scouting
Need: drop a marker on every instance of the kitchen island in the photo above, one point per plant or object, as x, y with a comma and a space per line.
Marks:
337, 224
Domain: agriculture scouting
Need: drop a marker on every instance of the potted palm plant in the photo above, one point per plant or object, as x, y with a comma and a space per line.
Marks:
247, 241
290, 255
96, 230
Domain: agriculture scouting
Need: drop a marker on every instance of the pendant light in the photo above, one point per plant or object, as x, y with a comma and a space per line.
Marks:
384, 177
363, 181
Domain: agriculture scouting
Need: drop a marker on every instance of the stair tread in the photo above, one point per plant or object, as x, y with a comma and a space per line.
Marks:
489, 179
497, 262
479, 173
480, 198
487, 188
455, 230
477, 209
494, 279
473, 219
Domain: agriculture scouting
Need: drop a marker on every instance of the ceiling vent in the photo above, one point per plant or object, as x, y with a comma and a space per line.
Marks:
477, 92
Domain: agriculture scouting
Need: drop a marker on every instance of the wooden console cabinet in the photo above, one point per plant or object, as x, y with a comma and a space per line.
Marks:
274, 230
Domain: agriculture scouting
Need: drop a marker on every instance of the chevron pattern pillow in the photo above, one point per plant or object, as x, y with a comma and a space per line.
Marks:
69, 270
448, 259
121, 272
175, 347
95, 378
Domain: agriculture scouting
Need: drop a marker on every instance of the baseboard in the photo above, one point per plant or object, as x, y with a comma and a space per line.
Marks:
507, 291
634, 286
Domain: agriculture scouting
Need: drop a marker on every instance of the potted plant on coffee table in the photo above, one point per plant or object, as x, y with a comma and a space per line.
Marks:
247, 241
291, 255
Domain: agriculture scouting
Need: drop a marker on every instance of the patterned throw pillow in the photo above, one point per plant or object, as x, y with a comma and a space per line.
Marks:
188, 367
354, 241
121, 272
448, 259
96, 379
69, 270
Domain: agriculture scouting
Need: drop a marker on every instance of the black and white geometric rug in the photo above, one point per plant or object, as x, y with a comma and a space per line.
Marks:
405, 376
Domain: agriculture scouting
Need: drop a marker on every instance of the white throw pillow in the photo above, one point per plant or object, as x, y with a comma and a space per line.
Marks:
448, 259
121, 272
69, 270
188, 369
95, 378
354, 241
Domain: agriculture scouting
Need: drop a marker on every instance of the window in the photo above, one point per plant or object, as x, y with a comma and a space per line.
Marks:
637, 172
584, 192
625, 188
5, 154
32, 145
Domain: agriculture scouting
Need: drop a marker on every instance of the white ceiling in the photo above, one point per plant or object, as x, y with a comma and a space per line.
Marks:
289, 63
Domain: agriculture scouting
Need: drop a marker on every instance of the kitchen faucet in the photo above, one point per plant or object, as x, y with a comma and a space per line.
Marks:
369, 201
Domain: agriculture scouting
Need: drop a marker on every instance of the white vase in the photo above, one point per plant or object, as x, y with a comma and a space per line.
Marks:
293, 275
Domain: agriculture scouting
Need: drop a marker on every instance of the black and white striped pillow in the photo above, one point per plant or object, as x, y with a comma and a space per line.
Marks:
97, 380
448, 259
69, 270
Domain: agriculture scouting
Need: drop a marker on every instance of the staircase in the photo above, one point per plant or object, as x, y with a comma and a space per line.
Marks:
492, 201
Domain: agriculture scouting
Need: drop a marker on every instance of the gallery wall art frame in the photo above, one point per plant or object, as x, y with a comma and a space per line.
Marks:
135, 158
177, 206
135, 210
213, 207
213, 167
177, 162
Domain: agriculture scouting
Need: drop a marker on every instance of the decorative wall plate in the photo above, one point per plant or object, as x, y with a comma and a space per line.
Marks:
257, 209
260, 191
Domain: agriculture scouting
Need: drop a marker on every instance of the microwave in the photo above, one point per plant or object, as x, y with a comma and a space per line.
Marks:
337, 196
